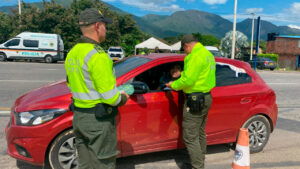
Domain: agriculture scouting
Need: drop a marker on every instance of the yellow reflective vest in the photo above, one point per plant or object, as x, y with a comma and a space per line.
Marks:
199, 72
90, 74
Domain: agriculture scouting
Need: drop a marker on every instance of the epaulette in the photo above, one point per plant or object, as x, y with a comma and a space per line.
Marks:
99, 49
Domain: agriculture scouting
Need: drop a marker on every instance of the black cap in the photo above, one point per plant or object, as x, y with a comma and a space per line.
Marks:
187, 39
92, 15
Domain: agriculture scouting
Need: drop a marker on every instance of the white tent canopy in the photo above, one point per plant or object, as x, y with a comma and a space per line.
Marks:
152, 43
176, 46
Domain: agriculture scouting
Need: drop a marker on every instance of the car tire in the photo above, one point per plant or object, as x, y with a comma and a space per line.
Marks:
48, 59
2, 57
271, 69
259, 132
62, 153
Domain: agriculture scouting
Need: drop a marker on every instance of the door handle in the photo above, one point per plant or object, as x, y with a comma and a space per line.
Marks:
245, 100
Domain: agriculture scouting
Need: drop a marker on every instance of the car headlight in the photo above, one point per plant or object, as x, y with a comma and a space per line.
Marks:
32, 118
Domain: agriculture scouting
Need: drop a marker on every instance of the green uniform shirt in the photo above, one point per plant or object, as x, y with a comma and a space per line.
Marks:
90, 75
199, 72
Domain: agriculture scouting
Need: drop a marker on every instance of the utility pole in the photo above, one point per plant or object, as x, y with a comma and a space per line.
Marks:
19, 1
257, 41
252, 34
234, 29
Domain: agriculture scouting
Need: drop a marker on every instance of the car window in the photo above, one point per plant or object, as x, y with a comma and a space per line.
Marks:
158, 76
216, 53
13, 42
128, 64
227, 74
31, 43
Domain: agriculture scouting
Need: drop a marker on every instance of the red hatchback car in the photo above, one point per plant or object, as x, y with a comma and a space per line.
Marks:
40, 129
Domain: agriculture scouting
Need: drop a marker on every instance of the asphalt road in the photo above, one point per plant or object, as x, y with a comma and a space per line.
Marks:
282, 151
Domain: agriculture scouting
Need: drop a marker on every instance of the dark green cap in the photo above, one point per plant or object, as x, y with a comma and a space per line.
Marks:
92, 15
187, 39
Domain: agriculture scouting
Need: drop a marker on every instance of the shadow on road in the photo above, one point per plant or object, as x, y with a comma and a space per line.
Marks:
180, 157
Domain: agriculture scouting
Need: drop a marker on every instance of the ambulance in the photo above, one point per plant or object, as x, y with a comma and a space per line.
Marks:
33, 46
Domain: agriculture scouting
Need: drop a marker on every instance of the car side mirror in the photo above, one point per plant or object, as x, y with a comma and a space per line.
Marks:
140, 87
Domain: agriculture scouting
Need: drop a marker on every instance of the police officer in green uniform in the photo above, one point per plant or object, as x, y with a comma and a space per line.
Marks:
197, 79
91, 79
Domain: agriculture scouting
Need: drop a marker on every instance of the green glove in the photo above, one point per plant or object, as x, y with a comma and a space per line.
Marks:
129, 89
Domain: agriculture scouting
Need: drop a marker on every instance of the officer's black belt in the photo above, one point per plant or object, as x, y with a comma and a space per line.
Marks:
200, 93
85, 110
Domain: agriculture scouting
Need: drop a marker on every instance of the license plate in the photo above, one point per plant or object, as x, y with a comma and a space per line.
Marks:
271, 63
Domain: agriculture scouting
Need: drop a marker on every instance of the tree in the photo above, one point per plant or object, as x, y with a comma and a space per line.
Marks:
241, 42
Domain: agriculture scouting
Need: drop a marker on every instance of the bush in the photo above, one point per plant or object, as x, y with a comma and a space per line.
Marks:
272, 56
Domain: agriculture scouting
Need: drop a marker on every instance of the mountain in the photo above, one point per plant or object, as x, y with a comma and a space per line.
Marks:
266, 27
189, 21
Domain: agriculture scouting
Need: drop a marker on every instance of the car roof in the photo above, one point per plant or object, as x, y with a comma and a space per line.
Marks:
163, 56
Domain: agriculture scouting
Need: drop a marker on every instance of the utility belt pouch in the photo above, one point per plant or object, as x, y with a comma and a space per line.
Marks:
105, 110
195, 102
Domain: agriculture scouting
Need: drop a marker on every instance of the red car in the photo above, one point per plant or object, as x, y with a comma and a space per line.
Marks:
40, 129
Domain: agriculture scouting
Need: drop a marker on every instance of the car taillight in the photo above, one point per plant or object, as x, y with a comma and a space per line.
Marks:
266, 62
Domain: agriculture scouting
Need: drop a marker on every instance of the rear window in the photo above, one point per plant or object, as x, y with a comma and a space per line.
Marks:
227, 74
128, 64
31, 43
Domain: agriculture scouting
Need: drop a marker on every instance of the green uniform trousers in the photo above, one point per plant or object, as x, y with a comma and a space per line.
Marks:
194, 137
96, 141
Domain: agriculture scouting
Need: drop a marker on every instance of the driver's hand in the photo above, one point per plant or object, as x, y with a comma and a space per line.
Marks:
127, 96
169, 84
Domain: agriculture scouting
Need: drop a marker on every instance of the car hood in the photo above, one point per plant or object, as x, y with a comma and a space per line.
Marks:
55, 95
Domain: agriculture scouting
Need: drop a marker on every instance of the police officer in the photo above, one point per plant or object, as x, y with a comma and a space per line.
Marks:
91, 79
196, 81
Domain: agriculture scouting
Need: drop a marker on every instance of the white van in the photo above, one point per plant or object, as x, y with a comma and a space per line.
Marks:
214, 50
34, 46
115, 53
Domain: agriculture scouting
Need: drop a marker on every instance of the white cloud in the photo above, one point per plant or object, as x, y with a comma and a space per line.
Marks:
154, 5
254, 10
295, 9
294, 26
213, 2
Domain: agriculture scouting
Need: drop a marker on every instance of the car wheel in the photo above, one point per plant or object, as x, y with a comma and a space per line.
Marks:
48, 59
271, 69
2, 57
63, 154
259, 132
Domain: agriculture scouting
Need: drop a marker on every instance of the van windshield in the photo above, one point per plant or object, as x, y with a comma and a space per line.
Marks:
115, 50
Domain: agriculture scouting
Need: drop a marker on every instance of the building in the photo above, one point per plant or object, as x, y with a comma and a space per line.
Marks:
288, 49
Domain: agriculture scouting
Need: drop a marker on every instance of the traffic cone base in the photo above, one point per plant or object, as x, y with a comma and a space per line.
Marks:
242, 151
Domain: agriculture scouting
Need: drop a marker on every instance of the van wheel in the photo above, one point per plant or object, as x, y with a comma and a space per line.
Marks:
48, 59
259, 132
2, 57
63, 153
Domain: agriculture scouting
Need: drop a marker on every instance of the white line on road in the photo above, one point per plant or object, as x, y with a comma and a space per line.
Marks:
29, 81
4, 112
282, 83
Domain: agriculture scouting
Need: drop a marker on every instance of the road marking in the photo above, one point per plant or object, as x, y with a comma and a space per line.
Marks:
30, 81
4, 108
282, 83
4, 112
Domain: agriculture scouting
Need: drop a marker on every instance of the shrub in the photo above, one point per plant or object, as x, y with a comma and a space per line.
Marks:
272, 56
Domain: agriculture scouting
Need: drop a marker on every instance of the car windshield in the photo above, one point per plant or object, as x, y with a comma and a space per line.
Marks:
115, 50
129, 64
216, 53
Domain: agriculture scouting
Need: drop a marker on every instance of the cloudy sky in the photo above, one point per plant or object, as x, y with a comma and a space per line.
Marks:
279, 12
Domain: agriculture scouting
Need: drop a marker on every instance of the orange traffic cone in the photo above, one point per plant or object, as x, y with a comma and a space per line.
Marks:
242, 151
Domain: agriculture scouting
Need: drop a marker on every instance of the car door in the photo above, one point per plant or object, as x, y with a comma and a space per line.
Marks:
13, 48
231, 101
150, 121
